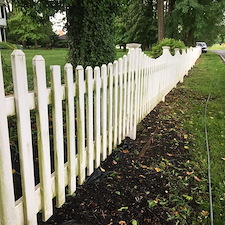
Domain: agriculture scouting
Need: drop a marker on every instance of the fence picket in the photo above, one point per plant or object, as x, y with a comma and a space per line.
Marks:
128, 111
104, 111
97, 117
120, 99
132, 91
80, 124
90, 120
7, 203
115, 103
110, 107
57, 118
70, 125
124, 118
24, 135
40, 89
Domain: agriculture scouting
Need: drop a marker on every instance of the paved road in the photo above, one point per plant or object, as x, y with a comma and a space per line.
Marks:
219, 52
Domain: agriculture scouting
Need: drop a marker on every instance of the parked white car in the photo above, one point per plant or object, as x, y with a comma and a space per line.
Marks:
202, 45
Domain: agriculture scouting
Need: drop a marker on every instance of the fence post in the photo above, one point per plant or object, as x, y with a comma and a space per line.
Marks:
7, 200
57, 117
19, 72
43, 135
70, 126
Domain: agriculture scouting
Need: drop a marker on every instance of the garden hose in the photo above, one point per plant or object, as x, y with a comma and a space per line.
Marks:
208, 160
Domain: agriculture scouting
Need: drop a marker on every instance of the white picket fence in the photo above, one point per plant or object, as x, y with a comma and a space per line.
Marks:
108, 105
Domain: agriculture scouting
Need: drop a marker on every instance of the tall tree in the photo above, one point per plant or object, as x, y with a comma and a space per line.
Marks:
138, 23
161, 28
90, 27
195, 20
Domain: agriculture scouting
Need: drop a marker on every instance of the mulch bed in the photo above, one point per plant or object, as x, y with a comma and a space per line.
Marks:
149, 180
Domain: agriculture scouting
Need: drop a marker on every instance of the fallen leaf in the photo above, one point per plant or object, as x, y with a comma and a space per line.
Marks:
223, 158
205, 213
185, 136
144, 166
157, 169
102, 169
114, 162
196, 178
186, 147
125, 151
122, 222
134, 222
189, 173
13, 171
151, 203
169, 154
142, 176
123, 208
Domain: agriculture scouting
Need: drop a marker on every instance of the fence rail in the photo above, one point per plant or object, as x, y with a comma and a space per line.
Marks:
89, 118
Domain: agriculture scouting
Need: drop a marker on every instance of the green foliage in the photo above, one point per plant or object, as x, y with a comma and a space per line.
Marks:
172, 43
91, 32
22, 28
195, 20
137, 23
7, 45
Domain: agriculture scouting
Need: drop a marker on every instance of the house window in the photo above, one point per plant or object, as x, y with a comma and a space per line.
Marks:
2, 12
3, 34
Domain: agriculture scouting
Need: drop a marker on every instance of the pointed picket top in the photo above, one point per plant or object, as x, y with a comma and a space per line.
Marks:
183, 51
177, 51
18, 52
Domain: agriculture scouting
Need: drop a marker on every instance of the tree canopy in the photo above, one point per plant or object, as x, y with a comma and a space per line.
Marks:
95, 26
21, 28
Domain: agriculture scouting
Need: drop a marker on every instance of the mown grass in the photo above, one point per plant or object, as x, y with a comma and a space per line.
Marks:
51, 56
216, 47
207, 78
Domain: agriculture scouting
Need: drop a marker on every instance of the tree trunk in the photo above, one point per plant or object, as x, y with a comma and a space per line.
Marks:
161, 28
91, 32
35, 44
171, 6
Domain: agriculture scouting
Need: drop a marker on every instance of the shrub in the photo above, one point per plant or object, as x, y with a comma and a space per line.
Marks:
172, 43
7, 45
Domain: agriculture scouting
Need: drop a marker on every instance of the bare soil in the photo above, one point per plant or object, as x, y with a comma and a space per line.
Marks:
149, 180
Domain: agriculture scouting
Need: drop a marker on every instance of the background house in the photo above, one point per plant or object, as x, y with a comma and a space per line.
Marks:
2, 21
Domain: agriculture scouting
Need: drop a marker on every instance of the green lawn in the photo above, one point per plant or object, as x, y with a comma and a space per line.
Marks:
51, 56
207, 77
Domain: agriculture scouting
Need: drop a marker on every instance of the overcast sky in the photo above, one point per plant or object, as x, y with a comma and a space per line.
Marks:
58, 21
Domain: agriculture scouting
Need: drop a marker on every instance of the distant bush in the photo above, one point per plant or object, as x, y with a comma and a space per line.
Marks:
7, 45
172, 43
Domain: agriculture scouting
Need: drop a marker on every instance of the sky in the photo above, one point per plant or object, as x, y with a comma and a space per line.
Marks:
58, 21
